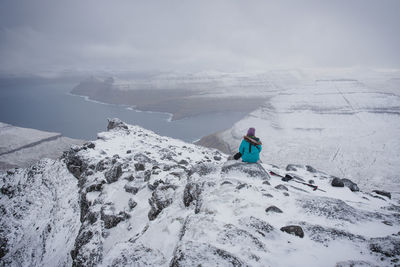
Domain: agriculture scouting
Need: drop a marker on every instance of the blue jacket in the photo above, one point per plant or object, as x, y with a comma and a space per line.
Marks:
250, 152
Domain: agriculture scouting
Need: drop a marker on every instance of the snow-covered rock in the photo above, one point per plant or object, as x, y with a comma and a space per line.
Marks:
187, 209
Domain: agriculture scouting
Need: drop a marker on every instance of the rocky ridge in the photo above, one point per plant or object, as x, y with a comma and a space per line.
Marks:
135, 198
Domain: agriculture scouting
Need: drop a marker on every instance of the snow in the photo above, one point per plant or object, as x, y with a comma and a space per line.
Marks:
345, 128
22, 147
224, 224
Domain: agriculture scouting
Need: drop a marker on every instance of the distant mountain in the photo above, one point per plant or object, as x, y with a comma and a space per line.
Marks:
21, 147
133, 198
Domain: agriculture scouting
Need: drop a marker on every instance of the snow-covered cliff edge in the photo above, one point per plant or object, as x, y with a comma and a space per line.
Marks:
133, 198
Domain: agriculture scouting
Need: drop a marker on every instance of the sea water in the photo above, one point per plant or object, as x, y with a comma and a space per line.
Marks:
48, 105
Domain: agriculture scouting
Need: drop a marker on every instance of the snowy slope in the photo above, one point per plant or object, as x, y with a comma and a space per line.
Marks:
21, 147
343, 127
147, 200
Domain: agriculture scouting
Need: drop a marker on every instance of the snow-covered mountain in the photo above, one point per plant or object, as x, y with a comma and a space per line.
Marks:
21, 147
133, 198
342, 126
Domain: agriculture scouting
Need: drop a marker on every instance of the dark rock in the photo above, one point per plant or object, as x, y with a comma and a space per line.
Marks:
378, 197
130, 178
129, 151
388, 246
273, 209
138, 255
266, 182
142, 158
113, 174
337, 182
139, 167
286, 194
160, 199
116, 124
311, 182
260, 226
110, 219
92, 217
383, 193
90, 145
95, 187
153, 186
3, 246
268, 195
147, 175
191, 194
281, 187
310, 169
226, 182
241, 186
75, 164
202, 254
131, 189
233, 235
103, 165
354, 263
321, 234
183, 162
217, 158
202, 169
84, 205
78, 256
251, 169
293, 167
132, 204
334, 209
293, 230
350, 184
387, 223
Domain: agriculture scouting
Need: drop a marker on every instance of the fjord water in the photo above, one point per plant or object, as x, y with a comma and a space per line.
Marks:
47, 105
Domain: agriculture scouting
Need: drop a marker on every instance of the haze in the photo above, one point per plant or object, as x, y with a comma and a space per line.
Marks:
40, 36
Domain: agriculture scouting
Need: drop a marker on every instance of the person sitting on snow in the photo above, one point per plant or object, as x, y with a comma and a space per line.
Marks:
250, 148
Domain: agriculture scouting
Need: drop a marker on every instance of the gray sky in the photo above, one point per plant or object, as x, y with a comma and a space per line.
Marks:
198, 35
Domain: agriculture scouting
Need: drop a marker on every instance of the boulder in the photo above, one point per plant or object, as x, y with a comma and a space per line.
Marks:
111, 219
273, 209
251, 169
116, 124
191, 193
350, 184
139, 166
113, 174
281, 187
130, 188
293, 230
337, 182
383, 193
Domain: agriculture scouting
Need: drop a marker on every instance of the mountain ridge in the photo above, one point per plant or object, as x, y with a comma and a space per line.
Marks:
132, 197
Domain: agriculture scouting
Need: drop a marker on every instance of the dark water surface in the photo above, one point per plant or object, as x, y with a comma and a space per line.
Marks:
48, 106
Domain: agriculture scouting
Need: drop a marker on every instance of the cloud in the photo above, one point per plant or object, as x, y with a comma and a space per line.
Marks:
197, 35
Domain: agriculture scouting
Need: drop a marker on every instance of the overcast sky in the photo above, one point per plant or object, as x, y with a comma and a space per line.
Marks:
198, 35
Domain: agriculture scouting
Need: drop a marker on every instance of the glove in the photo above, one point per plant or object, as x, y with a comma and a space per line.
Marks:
237, 156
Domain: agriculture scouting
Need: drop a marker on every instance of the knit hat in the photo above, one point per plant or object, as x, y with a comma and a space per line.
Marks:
251, 132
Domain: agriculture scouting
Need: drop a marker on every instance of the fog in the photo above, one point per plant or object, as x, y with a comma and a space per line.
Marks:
40, 36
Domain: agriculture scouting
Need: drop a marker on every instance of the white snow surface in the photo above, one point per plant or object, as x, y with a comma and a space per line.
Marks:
21, 147
345, 127
204, 211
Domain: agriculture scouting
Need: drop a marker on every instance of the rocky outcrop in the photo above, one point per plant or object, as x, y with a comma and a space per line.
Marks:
294, 230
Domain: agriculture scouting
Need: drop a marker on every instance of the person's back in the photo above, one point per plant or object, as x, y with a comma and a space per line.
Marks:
250, 147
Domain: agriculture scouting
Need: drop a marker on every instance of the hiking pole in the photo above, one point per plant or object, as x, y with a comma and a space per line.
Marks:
287, 178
